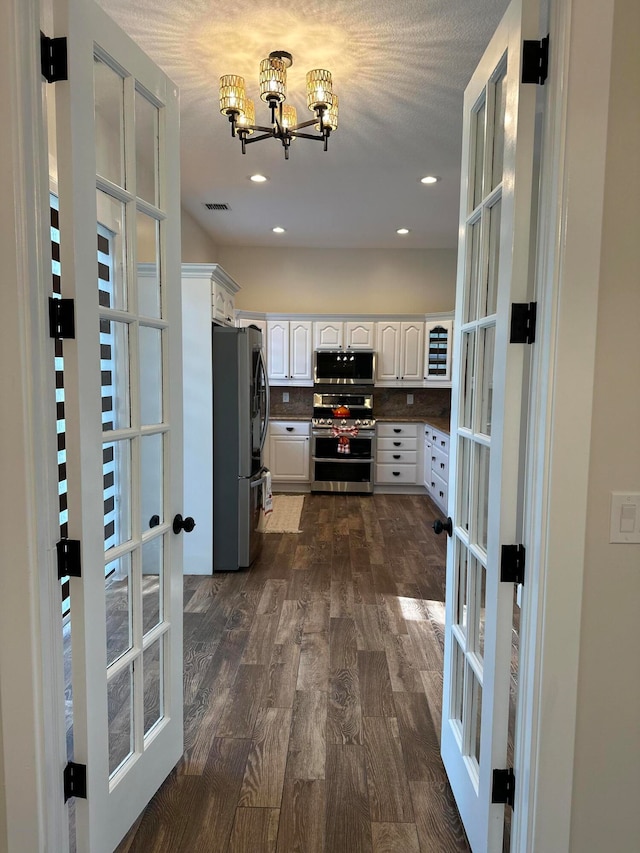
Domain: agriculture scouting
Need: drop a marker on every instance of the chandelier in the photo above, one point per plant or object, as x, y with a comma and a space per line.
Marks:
321, 100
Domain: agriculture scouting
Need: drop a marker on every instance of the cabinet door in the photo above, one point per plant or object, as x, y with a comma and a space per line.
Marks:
360, 335
289, 457
217, 301
278, 349
229, 308
300, 350
412, 351
388, 363
328, 335
437, 351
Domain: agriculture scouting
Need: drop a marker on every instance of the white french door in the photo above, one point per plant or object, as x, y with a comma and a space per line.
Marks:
118, 179
493, 272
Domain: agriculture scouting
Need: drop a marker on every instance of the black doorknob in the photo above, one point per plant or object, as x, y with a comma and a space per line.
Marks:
179, 524
439, 526
154, 521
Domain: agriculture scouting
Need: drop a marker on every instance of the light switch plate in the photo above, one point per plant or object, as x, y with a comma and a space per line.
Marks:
409, 399
625, 517
285, 396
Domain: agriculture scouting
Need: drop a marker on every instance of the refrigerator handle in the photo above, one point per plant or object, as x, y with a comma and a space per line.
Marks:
263, 437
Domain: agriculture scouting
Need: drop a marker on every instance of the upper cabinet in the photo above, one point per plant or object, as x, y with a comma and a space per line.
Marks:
360, 334
412, 351
350, 334
289, 352
219, 285
223, 295
328, 334
437, 352
400, 352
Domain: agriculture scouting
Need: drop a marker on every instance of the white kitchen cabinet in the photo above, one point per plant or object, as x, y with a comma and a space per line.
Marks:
223, 294
359, 334
350, 334
244, 322
289, 451
436, 466
400, 353
398, 454
328, 334
437, 352
289, 352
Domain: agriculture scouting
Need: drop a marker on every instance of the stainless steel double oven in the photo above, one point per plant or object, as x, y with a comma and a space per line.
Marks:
343, 442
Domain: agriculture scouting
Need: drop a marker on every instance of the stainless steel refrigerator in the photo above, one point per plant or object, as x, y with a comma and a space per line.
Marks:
240, 422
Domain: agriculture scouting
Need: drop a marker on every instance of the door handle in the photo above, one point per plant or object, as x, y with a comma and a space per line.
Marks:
439, 525
154, 521
179, 524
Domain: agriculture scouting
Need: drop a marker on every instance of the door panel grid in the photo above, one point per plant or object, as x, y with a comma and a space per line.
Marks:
487, 389
125, 423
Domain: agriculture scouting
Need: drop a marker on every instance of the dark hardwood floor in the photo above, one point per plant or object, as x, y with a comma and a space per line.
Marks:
312, 694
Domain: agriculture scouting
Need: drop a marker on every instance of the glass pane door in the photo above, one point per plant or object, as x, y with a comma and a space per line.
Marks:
123, 421
487, 395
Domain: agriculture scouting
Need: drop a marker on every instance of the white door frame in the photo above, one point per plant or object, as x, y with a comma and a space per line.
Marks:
30, 754
567, 283
32, 724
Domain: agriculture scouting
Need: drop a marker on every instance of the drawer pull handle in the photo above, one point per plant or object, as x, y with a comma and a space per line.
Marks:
441, 494
443, 443
396, 456
396, 473
289, 429
433, 485
442, 464
397, 444
397, 429
433, 458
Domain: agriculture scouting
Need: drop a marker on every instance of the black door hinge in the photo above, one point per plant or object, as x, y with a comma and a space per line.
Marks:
53, 58
535, 61
62, 318
69, 558
503, 789
75, 781
523, 322
512, 564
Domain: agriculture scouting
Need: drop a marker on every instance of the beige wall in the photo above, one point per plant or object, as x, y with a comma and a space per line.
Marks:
606, 805
373, 281
197, 245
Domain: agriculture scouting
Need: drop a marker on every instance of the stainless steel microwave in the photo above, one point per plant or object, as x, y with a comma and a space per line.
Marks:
344, 367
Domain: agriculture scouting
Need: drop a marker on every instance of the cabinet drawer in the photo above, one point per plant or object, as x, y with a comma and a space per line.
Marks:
397, 443
289, 428
440, 463
440, 440
404, 430
397, 457
404, 474
439, 491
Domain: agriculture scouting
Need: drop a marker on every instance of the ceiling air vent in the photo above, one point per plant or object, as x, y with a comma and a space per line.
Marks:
216, 205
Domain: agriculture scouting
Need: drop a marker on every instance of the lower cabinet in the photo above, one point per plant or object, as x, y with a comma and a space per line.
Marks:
288, 456
398, 454
436, 465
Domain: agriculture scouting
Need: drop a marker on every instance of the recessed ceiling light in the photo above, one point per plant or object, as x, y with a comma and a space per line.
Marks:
258, 179
429, 179
402, 231
278, 230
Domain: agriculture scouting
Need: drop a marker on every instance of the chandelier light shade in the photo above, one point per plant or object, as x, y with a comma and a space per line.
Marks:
273, 80
232, 94
248, 120
289, 115
284, 125
319, 89
330, 117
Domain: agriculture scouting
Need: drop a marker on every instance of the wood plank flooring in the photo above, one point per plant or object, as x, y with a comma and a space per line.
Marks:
312, 694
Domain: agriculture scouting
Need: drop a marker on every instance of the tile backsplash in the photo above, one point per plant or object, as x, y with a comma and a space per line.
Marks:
387, 402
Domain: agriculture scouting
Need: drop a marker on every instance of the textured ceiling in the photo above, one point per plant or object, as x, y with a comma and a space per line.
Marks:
399, 68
